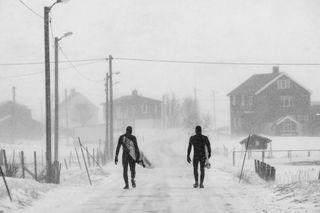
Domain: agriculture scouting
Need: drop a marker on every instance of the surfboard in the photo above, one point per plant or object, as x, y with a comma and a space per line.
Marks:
143, 160
207, 163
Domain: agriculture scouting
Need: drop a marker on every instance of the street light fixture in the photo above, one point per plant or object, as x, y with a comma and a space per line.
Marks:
49, 173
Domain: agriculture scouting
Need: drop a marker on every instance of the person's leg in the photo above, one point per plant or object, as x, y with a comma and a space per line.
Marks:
132, 165
202, 171
125, 163
195, 171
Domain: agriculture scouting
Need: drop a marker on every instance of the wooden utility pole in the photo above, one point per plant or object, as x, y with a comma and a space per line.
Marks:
47, 94
107, 151
56, 99
111, 106
67, 115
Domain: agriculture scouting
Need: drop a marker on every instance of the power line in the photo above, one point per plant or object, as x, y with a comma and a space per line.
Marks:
41, 63
74, 67
168, 61
216, 62
29, 8
18, 76
38, 73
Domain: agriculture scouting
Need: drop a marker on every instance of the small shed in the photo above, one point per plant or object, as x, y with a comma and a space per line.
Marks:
256, 142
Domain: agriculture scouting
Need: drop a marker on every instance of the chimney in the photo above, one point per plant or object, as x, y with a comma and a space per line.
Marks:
134, 92
275, 70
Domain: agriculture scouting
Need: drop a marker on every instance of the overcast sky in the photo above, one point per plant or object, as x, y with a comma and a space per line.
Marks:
206, 30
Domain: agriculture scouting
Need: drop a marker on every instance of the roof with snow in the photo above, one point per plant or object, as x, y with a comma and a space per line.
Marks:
254, 83
135, 98
258, 82
254, 138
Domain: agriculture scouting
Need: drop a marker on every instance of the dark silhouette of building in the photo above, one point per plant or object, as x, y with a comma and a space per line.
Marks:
137, 111
16, 122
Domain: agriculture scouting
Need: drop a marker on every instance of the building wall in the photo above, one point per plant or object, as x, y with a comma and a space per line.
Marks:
266, 108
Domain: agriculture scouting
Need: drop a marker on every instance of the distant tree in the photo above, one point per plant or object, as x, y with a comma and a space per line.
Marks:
206, 121
190, 111
82, 113
174, 111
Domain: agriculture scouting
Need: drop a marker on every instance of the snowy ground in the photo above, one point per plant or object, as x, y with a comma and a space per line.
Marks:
166, 188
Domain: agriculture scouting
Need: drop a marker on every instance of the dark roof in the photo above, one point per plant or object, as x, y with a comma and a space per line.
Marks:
254, 83
254, 138
134, 99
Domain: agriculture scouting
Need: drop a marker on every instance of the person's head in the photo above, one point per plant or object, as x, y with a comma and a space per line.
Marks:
129, 130
198, 130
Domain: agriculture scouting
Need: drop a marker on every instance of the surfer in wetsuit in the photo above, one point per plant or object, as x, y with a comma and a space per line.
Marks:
200, 143
130, 155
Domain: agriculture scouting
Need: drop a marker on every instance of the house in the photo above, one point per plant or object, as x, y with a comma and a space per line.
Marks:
77, 110
271, 103
16, 122
137, 110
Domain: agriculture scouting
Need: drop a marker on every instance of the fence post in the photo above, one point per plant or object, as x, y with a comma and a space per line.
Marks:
85, 164
35, 165
65, 162
5, 183
22, 164
262, 155
78, 156
309, 153
93, 156
273, 173
255, 165
98, 155
89, 163
5, 161
70, 157
233, 158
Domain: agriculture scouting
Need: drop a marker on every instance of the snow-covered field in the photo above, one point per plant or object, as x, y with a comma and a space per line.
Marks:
168, 187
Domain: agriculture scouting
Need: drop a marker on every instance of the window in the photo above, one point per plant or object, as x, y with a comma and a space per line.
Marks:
243, 103
286, 101
233, 100
288, 127
257, 143
144, 108
250, 100
283, 84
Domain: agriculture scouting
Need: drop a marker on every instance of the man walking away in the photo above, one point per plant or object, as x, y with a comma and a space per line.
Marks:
130, 155
200, 143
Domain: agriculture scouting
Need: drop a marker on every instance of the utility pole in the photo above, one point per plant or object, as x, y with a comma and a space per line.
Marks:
67, 115
47, 94
13, 116
56, 99
111, 106
107, 151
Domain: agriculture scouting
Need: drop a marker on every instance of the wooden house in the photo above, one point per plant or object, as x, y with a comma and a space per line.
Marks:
271, 103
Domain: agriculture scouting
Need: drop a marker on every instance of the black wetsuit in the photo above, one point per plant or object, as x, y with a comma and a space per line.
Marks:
126, 157
199, 142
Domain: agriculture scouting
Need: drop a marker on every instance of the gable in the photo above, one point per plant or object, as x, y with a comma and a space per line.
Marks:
280, 77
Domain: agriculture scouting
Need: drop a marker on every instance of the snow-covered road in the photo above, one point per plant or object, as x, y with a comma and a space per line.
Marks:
166, 188
158, 190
